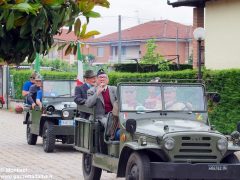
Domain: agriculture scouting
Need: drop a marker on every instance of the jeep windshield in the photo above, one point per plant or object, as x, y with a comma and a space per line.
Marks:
55, 89
162, 97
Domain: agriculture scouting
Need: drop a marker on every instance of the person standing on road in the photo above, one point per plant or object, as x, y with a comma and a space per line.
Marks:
81, 91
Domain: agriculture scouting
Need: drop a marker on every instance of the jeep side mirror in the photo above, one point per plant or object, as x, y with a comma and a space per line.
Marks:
214, 96
131, 125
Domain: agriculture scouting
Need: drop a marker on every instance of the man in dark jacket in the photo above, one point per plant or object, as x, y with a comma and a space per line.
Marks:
81, 91
32, 95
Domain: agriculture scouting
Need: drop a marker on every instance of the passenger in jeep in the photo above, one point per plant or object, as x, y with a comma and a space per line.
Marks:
103, 96
81, 91
154, 100
129, 99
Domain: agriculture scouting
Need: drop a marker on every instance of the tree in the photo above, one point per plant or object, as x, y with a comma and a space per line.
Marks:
28, 27
151, 57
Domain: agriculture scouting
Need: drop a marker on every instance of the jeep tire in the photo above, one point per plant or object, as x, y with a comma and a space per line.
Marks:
90, 172
138, 167
232, 159
48, 137
31, 138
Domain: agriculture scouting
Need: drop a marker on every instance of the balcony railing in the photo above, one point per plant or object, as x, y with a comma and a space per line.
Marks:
124, 59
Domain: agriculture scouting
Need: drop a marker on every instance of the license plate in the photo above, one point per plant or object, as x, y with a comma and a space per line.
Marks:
217, 168
65, 122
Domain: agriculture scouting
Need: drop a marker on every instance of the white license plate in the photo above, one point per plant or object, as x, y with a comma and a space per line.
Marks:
217, 168
65, 122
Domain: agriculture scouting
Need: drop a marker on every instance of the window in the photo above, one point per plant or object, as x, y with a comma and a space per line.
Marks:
100, 51
123, 50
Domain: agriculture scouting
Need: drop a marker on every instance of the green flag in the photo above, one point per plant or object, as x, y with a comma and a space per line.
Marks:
79, 54
37, 63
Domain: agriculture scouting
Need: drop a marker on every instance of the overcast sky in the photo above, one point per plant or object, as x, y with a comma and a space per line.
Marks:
134, 12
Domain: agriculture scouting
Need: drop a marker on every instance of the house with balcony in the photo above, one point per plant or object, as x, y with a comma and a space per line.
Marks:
172, 39
219, 18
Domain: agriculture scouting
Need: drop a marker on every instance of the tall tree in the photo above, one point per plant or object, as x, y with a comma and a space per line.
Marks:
28, 26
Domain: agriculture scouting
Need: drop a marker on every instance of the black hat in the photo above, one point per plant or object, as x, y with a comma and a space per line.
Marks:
100, 71
89, 74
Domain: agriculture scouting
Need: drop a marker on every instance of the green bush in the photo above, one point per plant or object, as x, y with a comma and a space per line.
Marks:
143, 68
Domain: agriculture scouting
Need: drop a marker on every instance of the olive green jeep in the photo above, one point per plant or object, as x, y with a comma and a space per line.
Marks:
55, 121
163, 132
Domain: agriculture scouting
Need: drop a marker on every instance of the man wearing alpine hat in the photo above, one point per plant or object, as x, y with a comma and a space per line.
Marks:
102, 96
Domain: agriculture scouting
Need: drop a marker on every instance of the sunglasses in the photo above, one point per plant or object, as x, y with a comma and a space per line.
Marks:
32, 77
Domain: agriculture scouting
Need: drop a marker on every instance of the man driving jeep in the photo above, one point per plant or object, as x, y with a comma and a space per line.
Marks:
171, 101
33, 92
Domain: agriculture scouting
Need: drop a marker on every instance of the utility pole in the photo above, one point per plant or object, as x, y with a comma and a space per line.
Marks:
177, 47
119, 40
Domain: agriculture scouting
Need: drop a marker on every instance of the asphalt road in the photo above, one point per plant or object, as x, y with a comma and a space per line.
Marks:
18, 160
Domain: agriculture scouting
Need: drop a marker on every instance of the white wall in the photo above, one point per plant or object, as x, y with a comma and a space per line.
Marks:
222, 25
132, 51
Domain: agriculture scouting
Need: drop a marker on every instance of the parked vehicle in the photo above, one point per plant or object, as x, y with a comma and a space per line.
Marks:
55, 122
158, 140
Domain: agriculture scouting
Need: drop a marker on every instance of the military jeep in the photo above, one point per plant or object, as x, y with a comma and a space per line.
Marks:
55, 121
165, 133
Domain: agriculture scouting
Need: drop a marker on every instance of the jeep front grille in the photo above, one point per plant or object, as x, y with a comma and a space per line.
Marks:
195, 148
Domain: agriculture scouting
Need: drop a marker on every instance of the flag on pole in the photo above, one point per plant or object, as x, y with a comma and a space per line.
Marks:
37, 63
80, 65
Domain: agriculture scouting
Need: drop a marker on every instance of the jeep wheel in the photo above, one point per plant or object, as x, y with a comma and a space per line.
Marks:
90, 172
31, 138
138, 167
232, 159
48, 137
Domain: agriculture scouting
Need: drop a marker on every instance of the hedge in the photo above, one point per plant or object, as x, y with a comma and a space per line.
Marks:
143, 68
224, 115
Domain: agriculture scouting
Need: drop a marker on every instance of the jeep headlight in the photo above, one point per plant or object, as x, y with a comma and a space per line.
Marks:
222, 144
169, 143
65, 114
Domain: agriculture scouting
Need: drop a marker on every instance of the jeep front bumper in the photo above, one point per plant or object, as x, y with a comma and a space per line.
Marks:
195, 171
63, 130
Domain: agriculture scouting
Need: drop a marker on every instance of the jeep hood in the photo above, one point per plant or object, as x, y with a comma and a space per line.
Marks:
62, 105
157, 128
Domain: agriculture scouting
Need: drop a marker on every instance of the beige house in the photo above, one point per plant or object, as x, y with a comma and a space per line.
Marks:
220, 19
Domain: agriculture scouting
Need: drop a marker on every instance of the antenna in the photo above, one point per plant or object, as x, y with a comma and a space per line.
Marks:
137, 16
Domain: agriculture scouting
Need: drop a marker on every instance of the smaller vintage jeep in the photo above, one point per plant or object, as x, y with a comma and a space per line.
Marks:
164, 132
55, 122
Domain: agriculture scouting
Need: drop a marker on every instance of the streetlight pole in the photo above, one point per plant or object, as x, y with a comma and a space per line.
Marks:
199, 35
199, 60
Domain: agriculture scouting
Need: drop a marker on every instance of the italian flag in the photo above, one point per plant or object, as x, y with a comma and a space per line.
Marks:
80, 65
